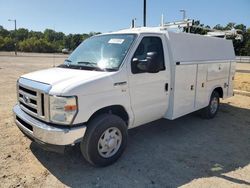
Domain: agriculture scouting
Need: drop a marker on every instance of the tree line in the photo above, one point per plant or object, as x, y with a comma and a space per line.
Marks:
51, 41
48, 41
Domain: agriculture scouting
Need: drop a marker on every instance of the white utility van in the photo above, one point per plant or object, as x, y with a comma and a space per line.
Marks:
120, 80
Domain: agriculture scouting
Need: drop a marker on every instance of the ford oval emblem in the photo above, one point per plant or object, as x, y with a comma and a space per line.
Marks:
26, 99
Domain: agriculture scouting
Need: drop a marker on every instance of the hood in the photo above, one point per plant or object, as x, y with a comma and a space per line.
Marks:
56, 75
61, 78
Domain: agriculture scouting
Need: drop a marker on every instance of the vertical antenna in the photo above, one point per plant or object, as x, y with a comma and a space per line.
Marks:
189, 28
183, 14
54, 59
144, 12
162, 20
133, 23
54, 52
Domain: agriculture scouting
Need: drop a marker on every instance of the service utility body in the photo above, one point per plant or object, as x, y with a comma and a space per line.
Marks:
116, 81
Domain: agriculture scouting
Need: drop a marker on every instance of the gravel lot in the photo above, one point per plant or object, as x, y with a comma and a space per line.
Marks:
188, 152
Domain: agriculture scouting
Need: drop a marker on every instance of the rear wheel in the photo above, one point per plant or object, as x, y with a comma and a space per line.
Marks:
105, 140
211, 110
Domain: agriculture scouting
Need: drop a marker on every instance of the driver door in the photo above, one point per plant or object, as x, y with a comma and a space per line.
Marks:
149, 91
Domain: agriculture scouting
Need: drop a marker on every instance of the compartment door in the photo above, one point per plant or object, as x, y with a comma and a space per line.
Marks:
184, 90
231, 79
201, 87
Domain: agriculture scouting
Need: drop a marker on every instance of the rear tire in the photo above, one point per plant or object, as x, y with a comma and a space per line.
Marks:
105, 140
211, 110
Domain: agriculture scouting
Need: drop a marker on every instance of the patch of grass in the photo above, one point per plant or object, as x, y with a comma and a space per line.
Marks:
242, 81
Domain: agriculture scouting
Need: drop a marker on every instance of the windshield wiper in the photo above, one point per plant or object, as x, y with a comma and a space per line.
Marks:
110, 69
63, 65
94, 65
68, 60
89, 64
81, 67
84, 65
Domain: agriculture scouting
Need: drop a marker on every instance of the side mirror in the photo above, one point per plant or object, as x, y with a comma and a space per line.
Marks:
139, 65
153, 63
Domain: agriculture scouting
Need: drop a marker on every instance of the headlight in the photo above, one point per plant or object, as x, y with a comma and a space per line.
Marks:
63, 109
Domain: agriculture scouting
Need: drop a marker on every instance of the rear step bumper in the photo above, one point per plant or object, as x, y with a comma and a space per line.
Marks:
44, 133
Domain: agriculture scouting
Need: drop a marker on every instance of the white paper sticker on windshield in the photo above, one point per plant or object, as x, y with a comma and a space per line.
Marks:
116, 41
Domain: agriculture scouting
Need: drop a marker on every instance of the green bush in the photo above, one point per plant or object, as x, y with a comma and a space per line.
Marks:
35, 41
36, 45
7, 44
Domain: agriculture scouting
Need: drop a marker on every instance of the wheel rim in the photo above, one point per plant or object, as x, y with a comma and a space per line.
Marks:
214, 105
110, 142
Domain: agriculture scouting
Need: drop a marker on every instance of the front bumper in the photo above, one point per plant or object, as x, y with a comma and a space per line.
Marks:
44, 133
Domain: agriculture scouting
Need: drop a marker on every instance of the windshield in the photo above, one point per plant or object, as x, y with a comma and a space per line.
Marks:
103, 52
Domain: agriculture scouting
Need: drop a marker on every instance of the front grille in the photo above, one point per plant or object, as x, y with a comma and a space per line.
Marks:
31, 101
29, 108
28, 91
42, 103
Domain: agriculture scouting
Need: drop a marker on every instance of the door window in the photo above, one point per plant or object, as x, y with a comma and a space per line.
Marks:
148, 44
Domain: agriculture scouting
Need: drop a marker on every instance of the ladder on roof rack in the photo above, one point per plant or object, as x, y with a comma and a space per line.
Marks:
178, 24
188, 23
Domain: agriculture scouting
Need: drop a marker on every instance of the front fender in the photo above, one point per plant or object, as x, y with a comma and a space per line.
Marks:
89, 104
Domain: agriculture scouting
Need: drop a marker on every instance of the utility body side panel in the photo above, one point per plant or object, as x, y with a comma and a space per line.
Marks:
188, 47
194, 84
199, 65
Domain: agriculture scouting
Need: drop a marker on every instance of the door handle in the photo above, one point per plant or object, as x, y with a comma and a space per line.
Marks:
166, 87
192, 87
120, 83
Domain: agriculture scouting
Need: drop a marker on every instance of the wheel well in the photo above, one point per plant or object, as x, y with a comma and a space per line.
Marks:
114, 109
220, 91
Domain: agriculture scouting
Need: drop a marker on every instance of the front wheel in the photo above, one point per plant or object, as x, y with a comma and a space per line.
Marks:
211, 110
105, 140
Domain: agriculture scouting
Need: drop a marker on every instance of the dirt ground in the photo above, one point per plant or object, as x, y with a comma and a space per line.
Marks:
242, 77
242, 81
187, 152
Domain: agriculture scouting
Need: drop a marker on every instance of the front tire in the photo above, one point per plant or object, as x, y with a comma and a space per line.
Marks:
211, 110
105, 140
